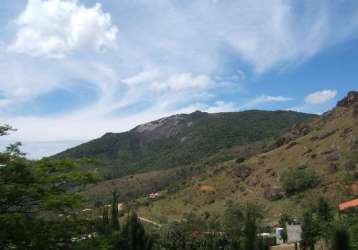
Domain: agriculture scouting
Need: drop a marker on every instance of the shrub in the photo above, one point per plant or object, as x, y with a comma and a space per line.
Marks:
340, 239
240, 160
298, 180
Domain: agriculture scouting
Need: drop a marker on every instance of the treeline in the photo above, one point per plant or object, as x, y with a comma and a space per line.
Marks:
239, 228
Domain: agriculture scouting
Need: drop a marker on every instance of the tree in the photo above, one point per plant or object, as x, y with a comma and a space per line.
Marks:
233, 220
310, 231
114, 214
324, 211
252, 215
241, 225
298, 180
173, 236
13, 151
38, 201
133, 235
5, 129
340, 239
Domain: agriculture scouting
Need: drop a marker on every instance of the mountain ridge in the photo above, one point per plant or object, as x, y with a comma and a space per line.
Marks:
183, 139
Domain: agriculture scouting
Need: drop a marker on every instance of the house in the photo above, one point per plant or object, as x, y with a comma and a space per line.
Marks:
153, 195
348, 204
294, 231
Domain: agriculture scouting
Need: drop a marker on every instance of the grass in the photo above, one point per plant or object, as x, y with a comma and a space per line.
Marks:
268, 168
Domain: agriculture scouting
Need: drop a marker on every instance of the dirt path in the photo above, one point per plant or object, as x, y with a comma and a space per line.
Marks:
149, 221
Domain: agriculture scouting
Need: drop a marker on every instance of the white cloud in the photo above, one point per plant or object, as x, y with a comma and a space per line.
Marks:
221, 106
166, 60
216, 107
183, 81
55, 28
320, 97
263, 99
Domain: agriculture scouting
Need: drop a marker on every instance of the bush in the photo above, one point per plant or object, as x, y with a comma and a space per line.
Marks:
240, 160
298, 180
340, 239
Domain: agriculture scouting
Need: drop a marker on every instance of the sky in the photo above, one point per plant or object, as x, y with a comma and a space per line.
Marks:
72, 70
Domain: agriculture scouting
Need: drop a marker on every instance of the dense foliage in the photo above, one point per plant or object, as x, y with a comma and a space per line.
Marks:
298, 180
38, 201
192, 138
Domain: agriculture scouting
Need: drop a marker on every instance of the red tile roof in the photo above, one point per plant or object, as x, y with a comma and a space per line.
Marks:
348, 204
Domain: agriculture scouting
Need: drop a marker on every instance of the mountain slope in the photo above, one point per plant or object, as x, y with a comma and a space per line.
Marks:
321, 161
183, 139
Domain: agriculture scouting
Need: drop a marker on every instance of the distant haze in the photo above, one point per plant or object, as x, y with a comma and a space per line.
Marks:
38, 149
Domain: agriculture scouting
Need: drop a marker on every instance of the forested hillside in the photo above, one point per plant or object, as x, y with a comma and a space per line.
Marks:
182, 140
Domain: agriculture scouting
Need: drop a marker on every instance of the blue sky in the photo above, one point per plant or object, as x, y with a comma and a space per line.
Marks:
72, 70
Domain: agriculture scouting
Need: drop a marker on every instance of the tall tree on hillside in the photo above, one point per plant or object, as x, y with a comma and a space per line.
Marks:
252, 216
241, 225
233, 223
133, 235
114, 214
310, 231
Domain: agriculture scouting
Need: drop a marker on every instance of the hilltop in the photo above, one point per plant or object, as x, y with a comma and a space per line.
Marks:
185, 139
317, 158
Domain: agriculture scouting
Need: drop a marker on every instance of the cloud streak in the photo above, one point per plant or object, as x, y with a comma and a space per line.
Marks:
147, 59
320, 97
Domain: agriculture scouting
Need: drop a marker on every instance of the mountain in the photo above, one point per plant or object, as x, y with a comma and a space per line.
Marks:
184, 139
318, 158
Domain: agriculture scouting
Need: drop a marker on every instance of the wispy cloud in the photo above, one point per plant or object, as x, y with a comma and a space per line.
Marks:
264, 99
316, 102
153, 58
320, 97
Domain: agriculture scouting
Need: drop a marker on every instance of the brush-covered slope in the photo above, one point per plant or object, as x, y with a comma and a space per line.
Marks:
319, 158
183, 139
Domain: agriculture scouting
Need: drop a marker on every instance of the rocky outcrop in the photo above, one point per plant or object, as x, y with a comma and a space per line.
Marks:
349, 100
242, 172
253, 181
274, 193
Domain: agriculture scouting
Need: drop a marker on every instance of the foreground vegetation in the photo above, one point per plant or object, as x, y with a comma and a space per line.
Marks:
41, 208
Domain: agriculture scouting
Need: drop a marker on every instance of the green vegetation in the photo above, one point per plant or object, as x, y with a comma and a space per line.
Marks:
183, 140
36, 208
340, 238
298, 180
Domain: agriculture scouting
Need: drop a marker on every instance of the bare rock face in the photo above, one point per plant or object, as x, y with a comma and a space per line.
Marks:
329, 151
253, 181
290, 145
242, 172
333, 157
326, 134
301, 129
274, 193
350, 99
168, 127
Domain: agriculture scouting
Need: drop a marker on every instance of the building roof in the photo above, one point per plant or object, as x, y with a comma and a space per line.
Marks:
348, 204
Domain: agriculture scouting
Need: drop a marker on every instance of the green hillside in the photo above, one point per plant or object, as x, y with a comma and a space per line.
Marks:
322, 161
182, 140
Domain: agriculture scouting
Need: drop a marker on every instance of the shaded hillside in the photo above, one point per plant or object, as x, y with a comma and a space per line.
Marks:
183, 139
321, 160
